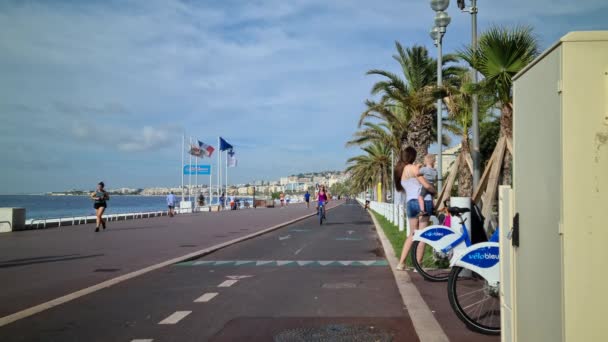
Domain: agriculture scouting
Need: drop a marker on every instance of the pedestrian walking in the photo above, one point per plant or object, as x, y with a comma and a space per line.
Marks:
100, 198
222, 202
201, 200
407, 178
282, 198
171, 203
307, 199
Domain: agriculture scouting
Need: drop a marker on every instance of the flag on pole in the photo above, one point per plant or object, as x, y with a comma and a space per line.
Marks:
232, 161
195, 150
224, 145
206, 150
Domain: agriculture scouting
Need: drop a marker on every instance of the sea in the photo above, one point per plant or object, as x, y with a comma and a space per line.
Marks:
47, 207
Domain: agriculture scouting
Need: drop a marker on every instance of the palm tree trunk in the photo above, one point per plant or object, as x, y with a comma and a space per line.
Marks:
465, 178
419, 134
506, 130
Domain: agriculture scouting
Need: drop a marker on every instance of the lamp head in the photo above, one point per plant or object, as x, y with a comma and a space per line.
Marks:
439, 5
442, 20
435, 34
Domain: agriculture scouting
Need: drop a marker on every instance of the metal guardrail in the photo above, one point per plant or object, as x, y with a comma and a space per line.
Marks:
78, 220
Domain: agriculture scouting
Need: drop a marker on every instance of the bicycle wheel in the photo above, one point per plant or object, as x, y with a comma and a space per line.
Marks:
434, 266
474, 301
320, 216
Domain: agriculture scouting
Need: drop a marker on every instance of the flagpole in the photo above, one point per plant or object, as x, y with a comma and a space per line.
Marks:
210, 198
190, 174
219, 171
196, 174
226, 178
182, 167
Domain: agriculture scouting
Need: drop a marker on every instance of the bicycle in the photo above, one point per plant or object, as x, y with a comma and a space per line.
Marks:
321, 212
444, 243
473, 287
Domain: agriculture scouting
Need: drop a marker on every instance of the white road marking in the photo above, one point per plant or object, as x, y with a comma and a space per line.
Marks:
283, 262
243, 262
237, 277
206, 297
281, 238
203, 262
263, 262
143, 340
325, 263
346, 263
111, 282
227, 283
350, 232
175, 317
304, 263
298, 251
223, 262
368, 263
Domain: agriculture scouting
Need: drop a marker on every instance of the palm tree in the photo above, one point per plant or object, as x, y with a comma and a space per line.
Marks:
500, 55
371, 167
460, 119
407, 100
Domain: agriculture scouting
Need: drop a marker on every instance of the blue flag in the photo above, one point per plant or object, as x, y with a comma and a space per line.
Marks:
224, 145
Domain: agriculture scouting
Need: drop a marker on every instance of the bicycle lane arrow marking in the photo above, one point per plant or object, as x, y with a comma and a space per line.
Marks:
281, 238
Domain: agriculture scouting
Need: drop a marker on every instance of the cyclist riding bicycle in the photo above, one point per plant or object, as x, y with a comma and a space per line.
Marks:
322, 199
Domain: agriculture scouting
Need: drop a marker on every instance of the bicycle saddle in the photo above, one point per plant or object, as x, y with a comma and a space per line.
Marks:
457, 211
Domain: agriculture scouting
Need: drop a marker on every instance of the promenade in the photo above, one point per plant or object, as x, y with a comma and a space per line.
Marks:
39, 265
294, 281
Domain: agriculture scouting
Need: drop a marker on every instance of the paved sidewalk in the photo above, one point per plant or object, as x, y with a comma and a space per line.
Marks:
40, 265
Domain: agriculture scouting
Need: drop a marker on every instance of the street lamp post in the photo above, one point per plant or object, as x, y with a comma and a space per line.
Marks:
475, 105
442, 20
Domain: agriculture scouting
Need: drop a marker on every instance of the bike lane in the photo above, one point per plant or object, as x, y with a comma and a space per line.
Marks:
298, 280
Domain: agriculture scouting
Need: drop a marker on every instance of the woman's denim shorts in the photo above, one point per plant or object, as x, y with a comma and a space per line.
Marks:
413, 208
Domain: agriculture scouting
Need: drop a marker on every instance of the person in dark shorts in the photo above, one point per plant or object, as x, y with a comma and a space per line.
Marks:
171, 204
307, 199
100, 198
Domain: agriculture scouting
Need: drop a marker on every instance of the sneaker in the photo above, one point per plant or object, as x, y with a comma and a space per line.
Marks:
96, 229
400, 267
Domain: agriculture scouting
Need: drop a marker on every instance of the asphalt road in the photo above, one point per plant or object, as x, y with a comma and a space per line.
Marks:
40, 265
300, 280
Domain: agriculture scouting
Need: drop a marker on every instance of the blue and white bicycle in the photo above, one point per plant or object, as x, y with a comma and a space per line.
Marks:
472, 271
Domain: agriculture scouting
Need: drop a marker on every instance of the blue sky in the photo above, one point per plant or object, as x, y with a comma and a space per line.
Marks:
97, 90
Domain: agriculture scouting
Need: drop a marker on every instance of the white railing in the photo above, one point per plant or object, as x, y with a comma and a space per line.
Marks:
393, 212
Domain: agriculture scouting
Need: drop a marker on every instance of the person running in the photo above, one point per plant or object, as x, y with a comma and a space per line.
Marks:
307, 199
322, 199
171, 203
100, 197
222, 198
282, 198
408, 179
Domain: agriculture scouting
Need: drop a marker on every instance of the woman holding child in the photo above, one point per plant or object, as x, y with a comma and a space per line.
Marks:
408, 179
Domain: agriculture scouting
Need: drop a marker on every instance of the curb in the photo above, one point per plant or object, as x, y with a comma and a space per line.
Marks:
425, 324
105, 284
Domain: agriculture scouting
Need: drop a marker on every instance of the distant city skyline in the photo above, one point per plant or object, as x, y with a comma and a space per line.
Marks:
96, 90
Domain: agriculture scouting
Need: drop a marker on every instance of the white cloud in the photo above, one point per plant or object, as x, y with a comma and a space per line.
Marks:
131, 76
